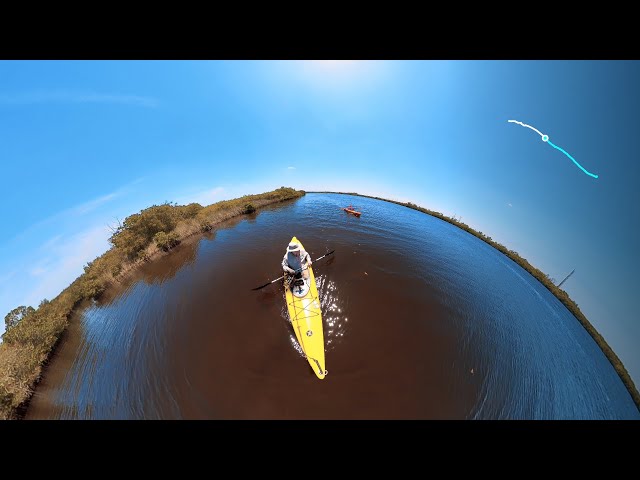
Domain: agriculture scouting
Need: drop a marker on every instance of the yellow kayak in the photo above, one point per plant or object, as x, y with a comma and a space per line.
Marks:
303, 304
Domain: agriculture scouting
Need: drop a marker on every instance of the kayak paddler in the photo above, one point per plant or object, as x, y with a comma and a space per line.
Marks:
295, 258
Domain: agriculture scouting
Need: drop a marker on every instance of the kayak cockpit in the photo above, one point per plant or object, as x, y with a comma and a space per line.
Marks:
299, 288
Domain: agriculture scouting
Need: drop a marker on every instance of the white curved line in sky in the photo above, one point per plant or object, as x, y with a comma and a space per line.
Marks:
545, 138
528, 126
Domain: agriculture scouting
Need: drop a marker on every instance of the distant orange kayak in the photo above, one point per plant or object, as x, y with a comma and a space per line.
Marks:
352, 212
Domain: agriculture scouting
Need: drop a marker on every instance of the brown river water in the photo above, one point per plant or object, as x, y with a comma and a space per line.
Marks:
421, 321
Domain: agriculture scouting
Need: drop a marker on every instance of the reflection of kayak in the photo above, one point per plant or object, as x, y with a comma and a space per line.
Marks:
306, 318
352, 212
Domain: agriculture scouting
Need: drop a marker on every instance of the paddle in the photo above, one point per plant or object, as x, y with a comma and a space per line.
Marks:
299, 270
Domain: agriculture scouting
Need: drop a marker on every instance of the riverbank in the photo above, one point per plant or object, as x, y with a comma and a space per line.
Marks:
542, 278
141, 237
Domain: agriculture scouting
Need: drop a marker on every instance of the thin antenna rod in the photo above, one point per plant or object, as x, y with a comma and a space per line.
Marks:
565, 278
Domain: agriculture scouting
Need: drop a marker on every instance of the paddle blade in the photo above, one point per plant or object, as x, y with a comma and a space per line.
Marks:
262, 286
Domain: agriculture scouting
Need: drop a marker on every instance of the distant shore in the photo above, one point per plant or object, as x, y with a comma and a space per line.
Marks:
141, 237
542, 278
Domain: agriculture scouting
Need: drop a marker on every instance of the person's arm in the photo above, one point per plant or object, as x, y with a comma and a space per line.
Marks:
307, 260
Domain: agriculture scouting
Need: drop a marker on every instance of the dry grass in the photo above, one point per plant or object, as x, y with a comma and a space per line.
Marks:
27, 346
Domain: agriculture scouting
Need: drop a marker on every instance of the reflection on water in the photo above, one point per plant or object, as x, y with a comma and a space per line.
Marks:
421, 320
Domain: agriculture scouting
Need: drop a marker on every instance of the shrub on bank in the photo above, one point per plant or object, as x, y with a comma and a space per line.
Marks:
248, 208
166, 241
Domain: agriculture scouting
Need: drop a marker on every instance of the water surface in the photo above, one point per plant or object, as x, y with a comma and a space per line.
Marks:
421, 321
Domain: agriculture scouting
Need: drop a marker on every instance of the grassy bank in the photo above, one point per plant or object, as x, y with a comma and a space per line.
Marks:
154, 231
543, 279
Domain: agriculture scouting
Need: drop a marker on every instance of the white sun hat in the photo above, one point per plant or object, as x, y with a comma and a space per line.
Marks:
293, 247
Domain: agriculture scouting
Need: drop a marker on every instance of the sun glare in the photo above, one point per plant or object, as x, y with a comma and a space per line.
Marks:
339, 74
333, 64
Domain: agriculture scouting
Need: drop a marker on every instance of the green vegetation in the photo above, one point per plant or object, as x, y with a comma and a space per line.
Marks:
248, 208
14, 316
155, 224
544, 279
32, 334
166, 241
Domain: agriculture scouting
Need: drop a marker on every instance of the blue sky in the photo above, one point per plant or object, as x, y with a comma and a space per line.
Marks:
83, 143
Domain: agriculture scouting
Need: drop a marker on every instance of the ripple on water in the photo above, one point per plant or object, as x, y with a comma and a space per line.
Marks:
421, 320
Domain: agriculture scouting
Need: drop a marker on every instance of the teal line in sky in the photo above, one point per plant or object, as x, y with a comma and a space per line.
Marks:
574, 161
545, 138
